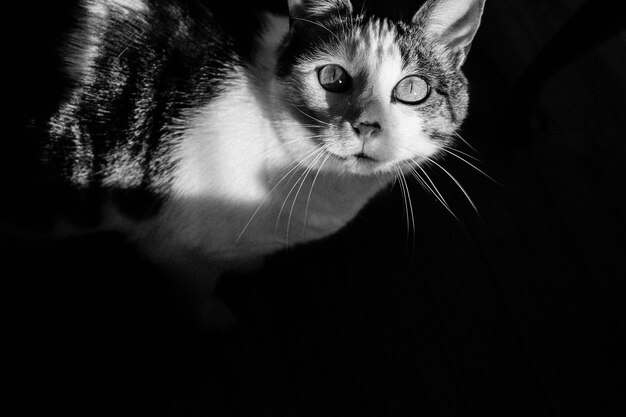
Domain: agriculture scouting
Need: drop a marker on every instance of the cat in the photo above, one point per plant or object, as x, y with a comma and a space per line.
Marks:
210, 157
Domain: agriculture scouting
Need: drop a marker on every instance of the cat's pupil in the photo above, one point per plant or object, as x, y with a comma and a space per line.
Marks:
334, 78
412, 90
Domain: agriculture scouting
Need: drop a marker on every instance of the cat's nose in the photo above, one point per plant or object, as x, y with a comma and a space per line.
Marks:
367, 129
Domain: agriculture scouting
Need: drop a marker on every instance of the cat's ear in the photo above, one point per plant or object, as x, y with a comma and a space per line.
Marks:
307, 9
452, 23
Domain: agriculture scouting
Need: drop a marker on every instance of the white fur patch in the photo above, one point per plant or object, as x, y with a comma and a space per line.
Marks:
219, 155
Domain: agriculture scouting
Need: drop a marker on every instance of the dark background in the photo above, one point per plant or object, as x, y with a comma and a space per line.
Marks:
519, 310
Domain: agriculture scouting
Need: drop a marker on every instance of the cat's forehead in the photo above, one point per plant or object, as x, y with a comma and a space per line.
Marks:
369, 49
371, 52
377, 39
365, 44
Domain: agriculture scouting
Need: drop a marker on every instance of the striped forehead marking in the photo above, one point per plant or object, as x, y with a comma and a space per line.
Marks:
375, 53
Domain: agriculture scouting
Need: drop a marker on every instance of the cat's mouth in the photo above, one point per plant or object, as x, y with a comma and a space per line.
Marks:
360, 163
360, 157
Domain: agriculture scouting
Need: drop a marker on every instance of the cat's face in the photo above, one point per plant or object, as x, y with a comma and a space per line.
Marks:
370, 95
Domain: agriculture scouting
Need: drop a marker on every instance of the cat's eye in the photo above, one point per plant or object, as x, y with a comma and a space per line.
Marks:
411, 90
334, 78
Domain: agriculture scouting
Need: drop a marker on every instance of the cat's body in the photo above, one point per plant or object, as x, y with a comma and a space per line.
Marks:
197, 152
176, 118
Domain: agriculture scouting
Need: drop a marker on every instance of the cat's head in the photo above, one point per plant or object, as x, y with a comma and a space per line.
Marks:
366, 94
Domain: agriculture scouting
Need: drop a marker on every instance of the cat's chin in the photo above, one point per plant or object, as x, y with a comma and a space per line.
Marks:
360, 164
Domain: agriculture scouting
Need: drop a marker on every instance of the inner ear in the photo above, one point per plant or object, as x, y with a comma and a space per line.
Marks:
312, 9
452, 23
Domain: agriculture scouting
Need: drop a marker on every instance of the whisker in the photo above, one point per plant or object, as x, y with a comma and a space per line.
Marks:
450, 148
295, 198
298, 163
408, 192
414, 237
282, 124
311, 117
318, 24
432, 183
308, 199
457, 134
279, 145
410, 208
434, 192
448, 151
293, 166
432, 188
457, 183
319, 151
403, 192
